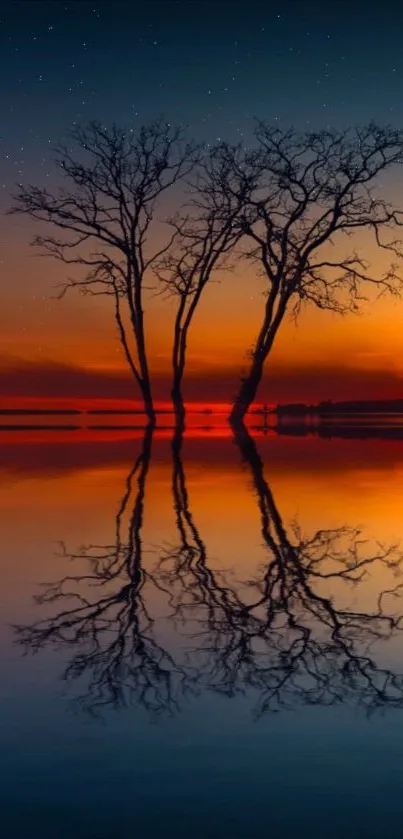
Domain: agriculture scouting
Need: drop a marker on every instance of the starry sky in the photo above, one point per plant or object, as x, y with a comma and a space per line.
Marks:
211, 65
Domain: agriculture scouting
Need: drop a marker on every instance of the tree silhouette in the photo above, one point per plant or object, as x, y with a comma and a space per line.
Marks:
310, 189
105, 218
205, 238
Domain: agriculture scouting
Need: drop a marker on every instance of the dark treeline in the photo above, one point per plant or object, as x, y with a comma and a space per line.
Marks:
289, 204
349, 407
349, 431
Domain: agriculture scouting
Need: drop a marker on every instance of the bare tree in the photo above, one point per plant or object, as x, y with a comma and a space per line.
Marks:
205, 240
312, 188
105, 218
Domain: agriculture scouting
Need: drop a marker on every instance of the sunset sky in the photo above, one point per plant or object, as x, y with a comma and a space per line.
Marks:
212, 66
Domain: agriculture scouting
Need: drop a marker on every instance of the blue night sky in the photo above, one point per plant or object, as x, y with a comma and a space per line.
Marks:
212, 66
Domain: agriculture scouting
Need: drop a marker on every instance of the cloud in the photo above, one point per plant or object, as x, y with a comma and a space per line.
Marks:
50, 378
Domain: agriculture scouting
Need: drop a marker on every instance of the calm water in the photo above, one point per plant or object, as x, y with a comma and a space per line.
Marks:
201, 637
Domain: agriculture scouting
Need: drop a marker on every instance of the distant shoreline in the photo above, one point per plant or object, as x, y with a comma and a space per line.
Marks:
293, 412
9, 412
379, 407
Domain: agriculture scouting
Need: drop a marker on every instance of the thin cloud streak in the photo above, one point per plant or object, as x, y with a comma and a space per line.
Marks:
51, 379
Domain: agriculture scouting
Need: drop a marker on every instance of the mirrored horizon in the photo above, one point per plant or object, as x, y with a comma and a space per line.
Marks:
180, 607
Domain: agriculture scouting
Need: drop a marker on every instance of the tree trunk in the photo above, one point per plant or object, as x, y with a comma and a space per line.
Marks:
140, 371
148, 400
177, 398
247, 391
183, 321
145, 383
264, 343
178, 365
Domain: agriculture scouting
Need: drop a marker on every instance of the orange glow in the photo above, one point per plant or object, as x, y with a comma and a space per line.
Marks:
72, 493
71, 345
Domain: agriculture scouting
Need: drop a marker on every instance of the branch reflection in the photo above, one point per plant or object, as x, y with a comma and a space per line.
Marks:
110, 629
305, 644
290, 635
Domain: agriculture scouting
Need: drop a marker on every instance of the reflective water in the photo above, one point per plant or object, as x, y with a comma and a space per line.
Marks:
201, 636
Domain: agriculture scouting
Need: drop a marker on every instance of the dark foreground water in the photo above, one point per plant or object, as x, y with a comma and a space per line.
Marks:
201, 639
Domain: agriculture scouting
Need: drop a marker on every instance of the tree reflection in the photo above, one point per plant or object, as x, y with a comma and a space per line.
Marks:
110, 629
290, 635
302, 644
279, 634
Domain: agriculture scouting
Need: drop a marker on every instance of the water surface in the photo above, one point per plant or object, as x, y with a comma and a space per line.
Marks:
201, 636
